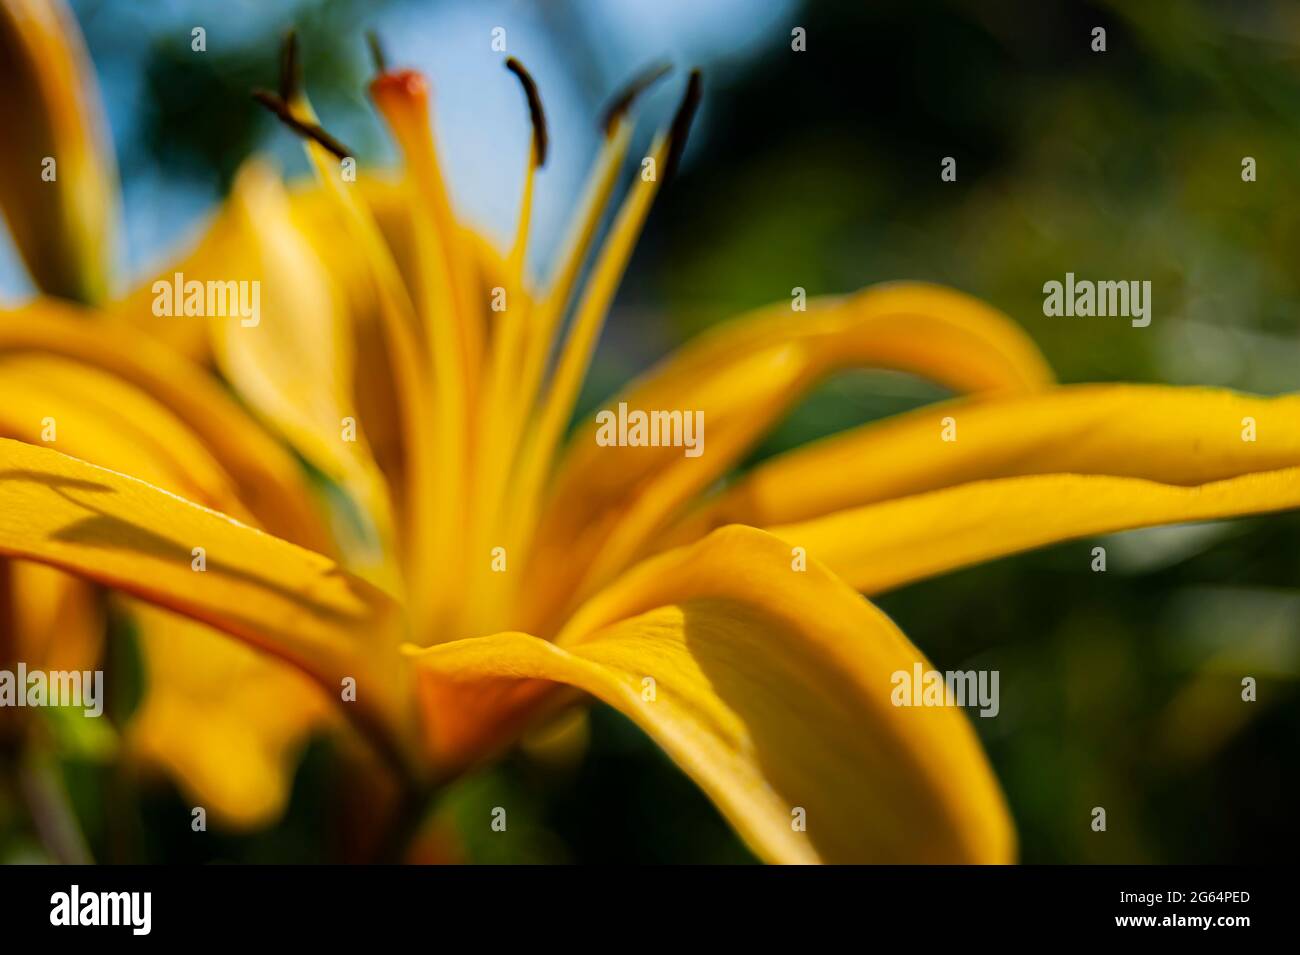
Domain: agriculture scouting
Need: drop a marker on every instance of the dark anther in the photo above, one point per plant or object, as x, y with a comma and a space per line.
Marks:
307, 130
623, 100
534, 108
682, 125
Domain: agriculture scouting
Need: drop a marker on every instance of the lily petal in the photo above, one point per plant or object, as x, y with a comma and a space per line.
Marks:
1172, 435
772, 690
929, 330
96, 416
883, 546
270, 482
291, 603
63, 217
743, 378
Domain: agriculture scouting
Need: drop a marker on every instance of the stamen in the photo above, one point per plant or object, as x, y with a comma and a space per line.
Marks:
550, 310
536, 160
580, 343
304, 129
622, 101
535, 113
583, 230
501, 414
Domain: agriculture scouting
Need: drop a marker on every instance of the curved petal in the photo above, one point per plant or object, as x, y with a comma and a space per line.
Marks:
743, 378
886, 545
96, 416
772, 690
291, 603
269, 481
63, 216
930, 330
1172, 435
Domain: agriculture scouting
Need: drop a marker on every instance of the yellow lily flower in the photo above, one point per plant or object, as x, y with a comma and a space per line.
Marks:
496, 573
